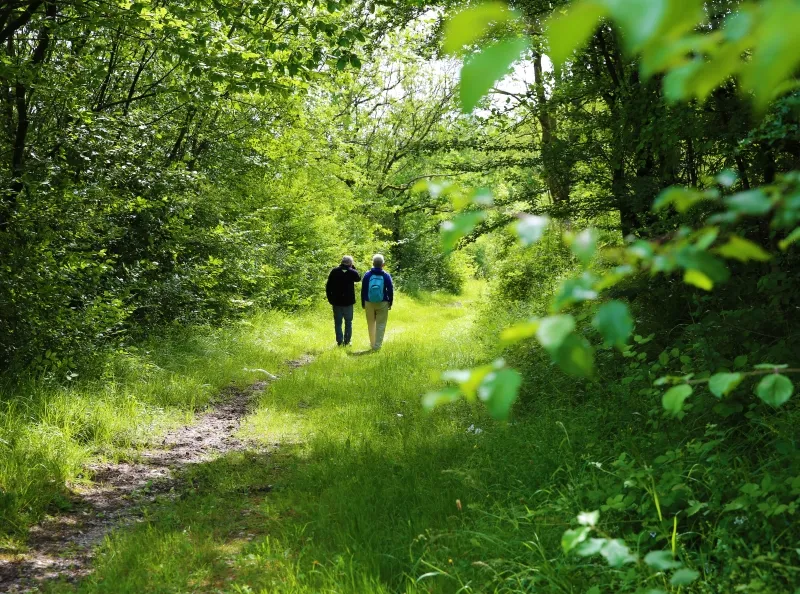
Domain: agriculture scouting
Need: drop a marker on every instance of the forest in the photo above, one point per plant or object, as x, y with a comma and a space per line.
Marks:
590, 210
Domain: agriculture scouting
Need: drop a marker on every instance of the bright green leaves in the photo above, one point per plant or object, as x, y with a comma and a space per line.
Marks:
574, 290
698, 279
519, 331
777, 50
575, 355
643, 22
468, 26
664, 33
531, 228
463, 223
673, 399
554, 330
572, 538
482, 70
589, 518
684, 577
614, 322
743, 250
583, 245
794, 236
556, 334
499, 390
703, 270
433, 399
681, 198
722, 384
617, 553
570, 30
661, 560
614, 550
752, 202
775, 389
496, 385
459, 226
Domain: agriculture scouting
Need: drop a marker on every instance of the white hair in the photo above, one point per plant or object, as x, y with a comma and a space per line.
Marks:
347, 260
378, 260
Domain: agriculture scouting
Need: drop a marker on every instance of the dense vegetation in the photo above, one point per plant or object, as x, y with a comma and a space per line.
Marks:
168, 168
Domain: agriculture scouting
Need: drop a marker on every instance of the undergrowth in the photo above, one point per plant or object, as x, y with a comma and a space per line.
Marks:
359, 490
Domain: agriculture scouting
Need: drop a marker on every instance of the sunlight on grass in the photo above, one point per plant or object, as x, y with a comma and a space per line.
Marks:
48, 432
365, 492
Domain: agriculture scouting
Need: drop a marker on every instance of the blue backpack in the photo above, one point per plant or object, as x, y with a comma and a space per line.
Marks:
375, 289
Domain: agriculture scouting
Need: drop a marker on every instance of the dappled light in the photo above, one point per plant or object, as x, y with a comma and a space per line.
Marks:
360, 296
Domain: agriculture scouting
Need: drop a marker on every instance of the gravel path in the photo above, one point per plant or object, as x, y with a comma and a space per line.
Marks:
63, 546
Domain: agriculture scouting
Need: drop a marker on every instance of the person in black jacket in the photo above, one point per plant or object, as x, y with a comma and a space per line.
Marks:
342, 296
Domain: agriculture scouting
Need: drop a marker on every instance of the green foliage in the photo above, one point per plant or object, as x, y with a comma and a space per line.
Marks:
482, 70
775, 389
614, 323
663, 31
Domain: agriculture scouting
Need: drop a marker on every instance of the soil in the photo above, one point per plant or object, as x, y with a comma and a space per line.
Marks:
63, 545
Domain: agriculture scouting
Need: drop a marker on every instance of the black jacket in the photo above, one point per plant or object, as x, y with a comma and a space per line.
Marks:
339, 287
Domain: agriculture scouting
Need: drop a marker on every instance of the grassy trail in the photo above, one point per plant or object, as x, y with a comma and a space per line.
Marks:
362, 492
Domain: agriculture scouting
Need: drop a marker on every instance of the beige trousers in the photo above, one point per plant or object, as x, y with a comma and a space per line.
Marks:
377, 316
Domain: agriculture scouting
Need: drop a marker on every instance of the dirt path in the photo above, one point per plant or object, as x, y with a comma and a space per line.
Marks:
63, 546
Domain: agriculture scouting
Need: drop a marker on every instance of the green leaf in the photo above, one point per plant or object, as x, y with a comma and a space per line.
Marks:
591, 547
673, 399
519, 331
711, 266
775, 389
698, 279
751, 202
462, 224
433, 399
777, 54
469, 25
570, 30
617, 553
770, 366
342, 63
614, 322
572, 538
789, 239
499, 390
470, 379
682, 198
740, 361
574, 290
684, 577
531, 228
584, 244
743, 250
575, 356
588, 518
679, 82
661, 560
553, 330
722, 384
482, 70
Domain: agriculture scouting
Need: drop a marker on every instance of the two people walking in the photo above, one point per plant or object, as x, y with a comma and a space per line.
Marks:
377, 297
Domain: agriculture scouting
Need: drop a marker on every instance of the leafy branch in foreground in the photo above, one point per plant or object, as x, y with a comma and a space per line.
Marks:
664, 35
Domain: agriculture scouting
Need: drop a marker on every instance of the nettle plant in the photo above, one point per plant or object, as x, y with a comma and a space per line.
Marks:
757, 44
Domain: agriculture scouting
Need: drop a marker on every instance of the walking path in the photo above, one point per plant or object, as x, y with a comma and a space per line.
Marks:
62, 546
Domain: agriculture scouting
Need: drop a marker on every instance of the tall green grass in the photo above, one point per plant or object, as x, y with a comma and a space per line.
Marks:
359, 490
366, 492
49, 431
